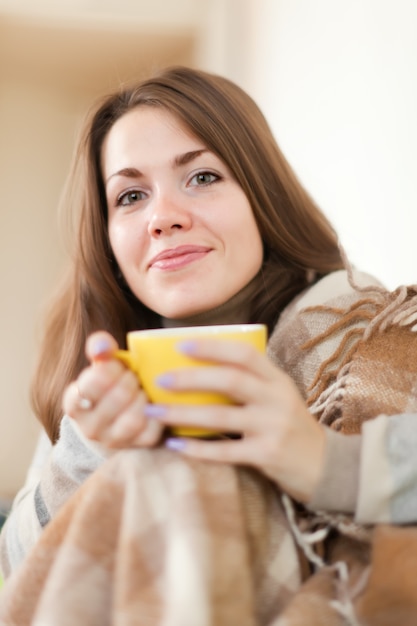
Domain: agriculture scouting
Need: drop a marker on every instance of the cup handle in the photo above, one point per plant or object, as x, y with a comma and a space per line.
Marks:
125, 357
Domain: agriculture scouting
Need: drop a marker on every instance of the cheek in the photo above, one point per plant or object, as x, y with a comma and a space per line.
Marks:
251, 245
250, 240
125, 242
116, 239
258, 250
253, 254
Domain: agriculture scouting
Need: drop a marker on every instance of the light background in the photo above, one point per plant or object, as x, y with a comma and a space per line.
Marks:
337, 81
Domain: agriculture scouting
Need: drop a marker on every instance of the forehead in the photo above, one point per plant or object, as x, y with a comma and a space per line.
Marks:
146, 127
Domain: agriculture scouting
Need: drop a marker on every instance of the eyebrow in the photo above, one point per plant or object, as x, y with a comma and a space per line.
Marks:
127, 172
181, 159
187, 157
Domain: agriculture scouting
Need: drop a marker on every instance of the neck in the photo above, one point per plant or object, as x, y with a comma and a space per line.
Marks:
234, 311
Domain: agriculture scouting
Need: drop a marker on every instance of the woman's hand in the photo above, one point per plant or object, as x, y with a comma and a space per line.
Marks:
280, 436
107, 401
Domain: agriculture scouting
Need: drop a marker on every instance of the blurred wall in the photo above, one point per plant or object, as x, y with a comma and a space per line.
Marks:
338, 82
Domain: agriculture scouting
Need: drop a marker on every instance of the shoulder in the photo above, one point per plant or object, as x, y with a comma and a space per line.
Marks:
311, 315
337, 287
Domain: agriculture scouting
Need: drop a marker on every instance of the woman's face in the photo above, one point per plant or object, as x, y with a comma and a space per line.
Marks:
181, 228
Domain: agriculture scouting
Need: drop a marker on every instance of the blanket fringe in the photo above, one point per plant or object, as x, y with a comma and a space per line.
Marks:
344, 604
383, 310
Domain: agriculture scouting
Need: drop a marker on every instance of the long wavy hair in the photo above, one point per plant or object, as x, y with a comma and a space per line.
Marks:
297, 238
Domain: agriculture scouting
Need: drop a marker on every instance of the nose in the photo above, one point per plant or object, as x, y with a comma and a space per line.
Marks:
168, 216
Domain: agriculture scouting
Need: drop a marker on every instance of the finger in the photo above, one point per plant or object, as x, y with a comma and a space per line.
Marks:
150, 436
236, 353
230, 451
239, 385
100, 345
75, 402
132, 429
220, 418
115, 403
108, 407
92, 384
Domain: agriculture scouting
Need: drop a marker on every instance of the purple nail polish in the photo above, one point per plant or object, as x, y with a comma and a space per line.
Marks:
165, 380
178, 445
154, 410
100, 347
187, 346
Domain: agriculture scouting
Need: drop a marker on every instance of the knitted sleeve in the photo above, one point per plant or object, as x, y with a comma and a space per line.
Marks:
339, 485
388, 470
54, 474
373, 475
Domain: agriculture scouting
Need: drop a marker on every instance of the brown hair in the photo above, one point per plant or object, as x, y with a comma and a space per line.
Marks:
296, 235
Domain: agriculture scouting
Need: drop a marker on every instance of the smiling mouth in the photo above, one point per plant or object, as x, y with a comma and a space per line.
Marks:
177, 258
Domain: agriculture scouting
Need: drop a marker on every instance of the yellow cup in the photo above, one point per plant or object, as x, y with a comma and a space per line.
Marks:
152, 353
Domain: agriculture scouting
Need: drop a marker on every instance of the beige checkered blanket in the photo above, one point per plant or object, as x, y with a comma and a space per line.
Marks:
153, 539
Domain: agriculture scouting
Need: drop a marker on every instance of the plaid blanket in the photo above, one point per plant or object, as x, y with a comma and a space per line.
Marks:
154, 538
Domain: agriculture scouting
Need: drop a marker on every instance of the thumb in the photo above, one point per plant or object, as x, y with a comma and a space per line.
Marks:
100, 345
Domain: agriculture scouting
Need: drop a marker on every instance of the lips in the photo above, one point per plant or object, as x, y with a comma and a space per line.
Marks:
176, 258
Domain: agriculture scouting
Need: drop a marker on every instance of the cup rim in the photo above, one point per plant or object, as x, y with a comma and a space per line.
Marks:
196, 330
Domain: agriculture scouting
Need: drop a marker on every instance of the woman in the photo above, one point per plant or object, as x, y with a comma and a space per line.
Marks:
189, 214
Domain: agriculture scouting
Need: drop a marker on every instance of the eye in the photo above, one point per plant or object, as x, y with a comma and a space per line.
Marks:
130, 197
204, 178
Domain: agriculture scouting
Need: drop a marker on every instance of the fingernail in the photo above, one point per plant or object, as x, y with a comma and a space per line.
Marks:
187, 347
165, 380
100, 347
178, 445
154, 410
